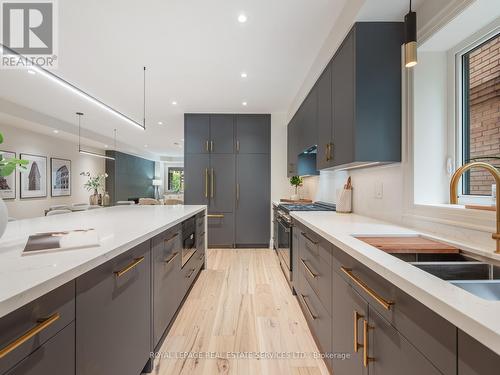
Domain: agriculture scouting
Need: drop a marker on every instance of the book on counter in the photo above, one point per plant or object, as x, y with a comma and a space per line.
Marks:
62, 240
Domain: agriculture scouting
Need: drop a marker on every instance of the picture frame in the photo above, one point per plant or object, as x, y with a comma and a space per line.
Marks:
33, 181
8, 183
60, 177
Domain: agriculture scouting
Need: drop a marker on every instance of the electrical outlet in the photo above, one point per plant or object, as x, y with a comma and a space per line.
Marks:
379, 190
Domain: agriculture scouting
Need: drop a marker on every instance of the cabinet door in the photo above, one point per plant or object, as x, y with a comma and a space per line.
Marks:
196, 133
392, 353
222, 182
56, 356
308, 122
166, 253
343, 70
292, 148
222, 134
346, 328
196, 179
474, 358
221, 230
325, 119
253, 134
113, 315
253, 194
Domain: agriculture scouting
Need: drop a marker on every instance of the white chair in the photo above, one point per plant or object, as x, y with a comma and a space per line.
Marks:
148, 202
125, 203
173, 202
58, 212
59, 207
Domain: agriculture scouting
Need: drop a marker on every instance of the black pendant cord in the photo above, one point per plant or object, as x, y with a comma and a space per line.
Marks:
410, 5
79, 114
114, 146
144, 99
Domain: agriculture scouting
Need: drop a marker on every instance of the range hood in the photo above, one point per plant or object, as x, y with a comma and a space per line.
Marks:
306, 162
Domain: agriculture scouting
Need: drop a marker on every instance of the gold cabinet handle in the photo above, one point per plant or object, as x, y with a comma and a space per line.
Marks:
383, 302
211, 146
215, 216
309, 311
330, 152
309, 238
237, 195
237, 146
207, 146
212, 183
42, 325
129, 267
171, 259
309, 271
191, 273
206, 182
357, 317
366, 358
327, 152
171, 238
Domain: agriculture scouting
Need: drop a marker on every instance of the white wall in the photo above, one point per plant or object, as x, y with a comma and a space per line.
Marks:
23, 141
280, 187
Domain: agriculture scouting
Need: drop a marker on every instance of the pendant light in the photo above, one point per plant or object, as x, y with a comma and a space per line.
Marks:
85, 152
410, 38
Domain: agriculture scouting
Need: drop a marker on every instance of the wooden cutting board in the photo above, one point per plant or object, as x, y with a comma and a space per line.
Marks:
304, 201
413, 245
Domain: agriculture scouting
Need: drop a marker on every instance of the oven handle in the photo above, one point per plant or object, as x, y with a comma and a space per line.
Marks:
285, 225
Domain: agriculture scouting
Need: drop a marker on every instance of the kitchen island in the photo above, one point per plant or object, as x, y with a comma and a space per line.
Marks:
98, 310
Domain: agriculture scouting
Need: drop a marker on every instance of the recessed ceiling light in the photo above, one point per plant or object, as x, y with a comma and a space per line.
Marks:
242, 18
244, 75
31, 72
174, 103
55, 131
244, 104
160, 123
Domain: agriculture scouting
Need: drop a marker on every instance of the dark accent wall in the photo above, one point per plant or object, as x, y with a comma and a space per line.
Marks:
129, 176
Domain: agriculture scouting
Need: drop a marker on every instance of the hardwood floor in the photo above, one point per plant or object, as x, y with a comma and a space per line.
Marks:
240, 303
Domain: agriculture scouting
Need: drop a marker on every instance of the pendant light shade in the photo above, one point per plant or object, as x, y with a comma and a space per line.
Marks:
410, 38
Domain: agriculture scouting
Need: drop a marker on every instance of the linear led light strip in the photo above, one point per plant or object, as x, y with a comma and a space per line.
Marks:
85, 152
76, 90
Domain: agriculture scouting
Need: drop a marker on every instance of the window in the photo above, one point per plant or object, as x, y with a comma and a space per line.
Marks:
176, 179
480, 115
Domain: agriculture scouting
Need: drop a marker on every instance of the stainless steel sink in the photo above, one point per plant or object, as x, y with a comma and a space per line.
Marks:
433, 257
487, 289
457, 270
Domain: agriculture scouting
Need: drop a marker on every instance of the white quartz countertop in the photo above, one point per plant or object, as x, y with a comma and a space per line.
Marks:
477, 317
25, 278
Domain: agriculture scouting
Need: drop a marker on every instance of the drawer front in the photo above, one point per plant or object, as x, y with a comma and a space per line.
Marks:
56, 356
166, 276
168, 241
474, 358
221, 230
431, 334
48, 315
200, 222
190, 271
113, 315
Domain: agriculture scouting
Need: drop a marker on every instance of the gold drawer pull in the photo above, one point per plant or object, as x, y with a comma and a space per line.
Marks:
171, 238
206, 182
129, 267
311, 273
357, 345
366, 359
42, 325
309, 311
215, 216
309, 238
191, 273
171, 259
383, 302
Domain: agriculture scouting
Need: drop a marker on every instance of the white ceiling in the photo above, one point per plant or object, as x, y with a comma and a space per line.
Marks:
194, 51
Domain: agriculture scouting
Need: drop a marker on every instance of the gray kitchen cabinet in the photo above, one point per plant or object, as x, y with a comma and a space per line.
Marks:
325, 119
307, 135
196, 133
222, 134
113, 315
292, 147
253, 194
474, 358
197, 179
56, 356
349, 309
253, 134
222, 179
221, 230
166, 257
295, 258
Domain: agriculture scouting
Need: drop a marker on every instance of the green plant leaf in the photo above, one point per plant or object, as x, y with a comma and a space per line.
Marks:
1, 138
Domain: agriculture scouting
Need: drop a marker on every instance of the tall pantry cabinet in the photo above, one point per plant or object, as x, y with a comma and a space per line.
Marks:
227, 168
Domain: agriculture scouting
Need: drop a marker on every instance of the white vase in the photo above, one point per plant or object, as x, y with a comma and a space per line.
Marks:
4, 217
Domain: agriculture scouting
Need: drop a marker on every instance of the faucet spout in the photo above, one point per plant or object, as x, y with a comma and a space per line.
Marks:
454, 191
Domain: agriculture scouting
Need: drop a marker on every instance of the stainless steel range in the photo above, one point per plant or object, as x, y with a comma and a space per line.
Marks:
283, 227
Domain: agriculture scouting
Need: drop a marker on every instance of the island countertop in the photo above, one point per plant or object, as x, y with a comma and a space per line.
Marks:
475, 316
25, 278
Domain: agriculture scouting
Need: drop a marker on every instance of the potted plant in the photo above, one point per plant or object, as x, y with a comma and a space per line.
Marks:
7, 167
94, 183
296, 181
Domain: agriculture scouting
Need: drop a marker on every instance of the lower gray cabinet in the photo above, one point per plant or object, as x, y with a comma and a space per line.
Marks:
474, 358
220, 229
167, 276
56, 356
113, 315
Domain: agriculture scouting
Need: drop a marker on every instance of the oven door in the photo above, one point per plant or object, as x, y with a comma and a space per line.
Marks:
284, 244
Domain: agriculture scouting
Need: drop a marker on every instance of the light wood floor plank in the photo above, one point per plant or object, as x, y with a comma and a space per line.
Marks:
240, 304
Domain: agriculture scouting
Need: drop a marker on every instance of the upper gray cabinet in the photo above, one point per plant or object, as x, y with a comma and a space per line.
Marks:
307, 135
253, 134
325, 119
197, 134
221, 134
292, 147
